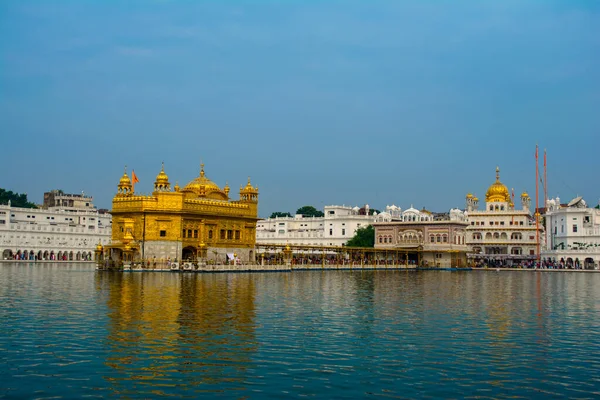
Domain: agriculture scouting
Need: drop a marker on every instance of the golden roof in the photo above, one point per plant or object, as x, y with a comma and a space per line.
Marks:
204, 187
524, 194
497, 192
469, 196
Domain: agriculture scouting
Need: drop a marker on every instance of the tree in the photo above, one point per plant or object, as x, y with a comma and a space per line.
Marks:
364, 237
16, 199
309, 211
279, 214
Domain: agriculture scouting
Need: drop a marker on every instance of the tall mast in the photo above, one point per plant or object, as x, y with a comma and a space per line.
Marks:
545, 181
537, 205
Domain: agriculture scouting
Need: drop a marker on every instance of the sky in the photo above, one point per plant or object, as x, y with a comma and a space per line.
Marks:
319, 102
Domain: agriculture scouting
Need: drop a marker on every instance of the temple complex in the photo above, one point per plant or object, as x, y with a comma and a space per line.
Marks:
500, 233
198, 222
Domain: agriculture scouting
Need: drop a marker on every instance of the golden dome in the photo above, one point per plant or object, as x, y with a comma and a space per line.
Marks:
525, 195
469, 196
162, 177
497, 192
125, 179
99, 247
475, 199
204, 187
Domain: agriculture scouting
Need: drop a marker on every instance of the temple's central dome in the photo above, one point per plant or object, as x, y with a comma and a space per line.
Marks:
497, 192
204, 187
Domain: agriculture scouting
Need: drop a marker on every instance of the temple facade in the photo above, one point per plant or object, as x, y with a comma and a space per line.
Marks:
198, 222
500, 233
425, 241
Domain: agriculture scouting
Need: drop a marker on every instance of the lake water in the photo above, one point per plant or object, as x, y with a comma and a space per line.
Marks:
68, 331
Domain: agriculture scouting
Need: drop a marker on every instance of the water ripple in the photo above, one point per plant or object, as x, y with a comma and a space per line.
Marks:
69, 331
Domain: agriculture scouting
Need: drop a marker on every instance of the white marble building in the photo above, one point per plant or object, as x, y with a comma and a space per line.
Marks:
56, 233
339, 225
572, 234
501, 232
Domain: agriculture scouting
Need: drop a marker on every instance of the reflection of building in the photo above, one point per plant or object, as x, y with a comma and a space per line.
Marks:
67, 228
572, 233
435, 243
500, 231
200, 328
339, 225
184, 223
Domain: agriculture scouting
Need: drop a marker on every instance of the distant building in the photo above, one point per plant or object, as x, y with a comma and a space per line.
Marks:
501, 233
423, 238
67, 228
572, 234
339, 225
59, 199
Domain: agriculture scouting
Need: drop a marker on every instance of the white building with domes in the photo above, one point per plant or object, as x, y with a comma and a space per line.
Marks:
500, 233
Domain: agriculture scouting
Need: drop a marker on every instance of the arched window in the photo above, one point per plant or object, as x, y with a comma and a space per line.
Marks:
496, 235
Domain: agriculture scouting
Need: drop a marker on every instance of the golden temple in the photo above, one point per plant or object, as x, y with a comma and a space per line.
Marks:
198, 222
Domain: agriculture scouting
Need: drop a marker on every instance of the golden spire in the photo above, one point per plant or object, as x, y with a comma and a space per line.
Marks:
202, 169
497, 174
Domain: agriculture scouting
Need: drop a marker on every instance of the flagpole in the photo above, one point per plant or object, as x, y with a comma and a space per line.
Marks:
545, 181
537, 201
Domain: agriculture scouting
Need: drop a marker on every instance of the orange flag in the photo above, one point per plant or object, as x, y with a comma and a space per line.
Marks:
134, 179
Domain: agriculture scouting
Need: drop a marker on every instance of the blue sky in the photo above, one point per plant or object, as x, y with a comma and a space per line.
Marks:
320, 102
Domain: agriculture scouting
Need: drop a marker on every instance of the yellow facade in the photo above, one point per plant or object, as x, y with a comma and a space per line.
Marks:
199, 221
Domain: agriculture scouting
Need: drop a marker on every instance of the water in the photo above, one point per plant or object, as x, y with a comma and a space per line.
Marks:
67, 331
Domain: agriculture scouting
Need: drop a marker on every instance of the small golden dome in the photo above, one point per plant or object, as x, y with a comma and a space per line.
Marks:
99, 247
525, 195
475, 199
162, 177
469, 196
497, 192
177, 187
125, 179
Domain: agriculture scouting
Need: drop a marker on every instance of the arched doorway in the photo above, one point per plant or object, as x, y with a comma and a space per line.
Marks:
188, 253
588, 263
7, 254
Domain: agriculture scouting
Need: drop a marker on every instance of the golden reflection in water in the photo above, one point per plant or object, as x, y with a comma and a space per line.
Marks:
178, 329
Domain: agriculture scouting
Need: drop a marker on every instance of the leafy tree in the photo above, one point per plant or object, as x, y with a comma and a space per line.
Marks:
279, 214
16, 199
364, 237
309, 211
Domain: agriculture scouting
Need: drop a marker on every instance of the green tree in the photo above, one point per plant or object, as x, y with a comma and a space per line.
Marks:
16, 199
279, 214
364, 237
309, 211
